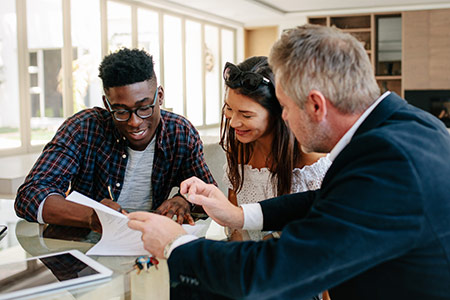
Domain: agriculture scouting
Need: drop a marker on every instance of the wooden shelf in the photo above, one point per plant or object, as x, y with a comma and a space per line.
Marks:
364, 27
355, 30
389, 77
351, 21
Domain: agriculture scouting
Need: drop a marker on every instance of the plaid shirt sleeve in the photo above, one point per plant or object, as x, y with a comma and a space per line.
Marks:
51, 173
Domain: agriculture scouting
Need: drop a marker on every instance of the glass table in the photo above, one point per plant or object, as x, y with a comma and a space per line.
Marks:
24, 239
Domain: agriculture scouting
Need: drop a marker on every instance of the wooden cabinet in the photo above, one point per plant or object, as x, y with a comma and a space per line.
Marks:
359, 26
365, 28
426, 55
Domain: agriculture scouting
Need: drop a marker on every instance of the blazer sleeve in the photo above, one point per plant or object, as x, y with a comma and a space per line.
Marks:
281, 210
364, 215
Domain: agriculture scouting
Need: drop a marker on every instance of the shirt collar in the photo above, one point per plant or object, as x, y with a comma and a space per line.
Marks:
349, 134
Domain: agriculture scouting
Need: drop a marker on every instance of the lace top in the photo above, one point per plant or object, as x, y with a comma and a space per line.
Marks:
258, 186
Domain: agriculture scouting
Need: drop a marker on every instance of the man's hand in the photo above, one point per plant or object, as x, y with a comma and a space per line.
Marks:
213, 201
176, 206
94, 222
112, 204
157, 231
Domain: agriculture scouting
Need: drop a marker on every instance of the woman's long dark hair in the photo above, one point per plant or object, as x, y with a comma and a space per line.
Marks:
285, 152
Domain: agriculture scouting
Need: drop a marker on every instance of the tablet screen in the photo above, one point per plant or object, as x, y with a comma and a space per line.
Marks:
42, 271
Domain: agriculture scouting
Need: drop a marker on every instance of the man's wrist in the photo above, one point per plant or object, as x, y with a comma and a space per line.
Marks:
179, 240
238, 223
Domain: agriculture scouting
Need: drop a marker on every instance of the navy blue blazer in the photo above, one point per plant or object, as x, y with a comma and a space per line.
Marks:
379, 227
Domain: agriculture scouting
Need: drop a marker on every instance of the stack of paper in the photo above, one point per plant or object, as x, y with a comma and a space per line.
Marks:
117, 238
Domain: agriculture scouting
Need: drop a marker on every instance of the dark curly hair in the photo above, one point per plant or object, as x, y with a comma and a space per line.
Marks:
126, 66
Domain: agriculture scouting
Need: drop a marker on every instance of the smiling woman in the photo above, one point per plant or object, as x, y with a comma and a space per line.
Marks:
263, 158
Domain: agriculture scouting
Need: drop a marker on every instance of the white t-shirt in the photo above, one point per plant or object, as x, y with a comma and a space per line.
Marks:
136, 193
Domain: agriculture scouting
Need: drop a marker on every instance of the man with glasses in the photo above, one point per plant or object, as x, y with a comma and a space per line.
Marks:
128, 156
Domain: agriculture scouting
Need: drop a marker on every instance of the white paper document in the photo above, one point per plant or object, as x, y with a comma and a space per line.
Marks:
117, 238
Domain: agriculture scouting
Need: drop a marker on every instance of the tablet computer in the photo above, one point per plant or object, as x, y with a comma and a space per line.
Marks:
49, 272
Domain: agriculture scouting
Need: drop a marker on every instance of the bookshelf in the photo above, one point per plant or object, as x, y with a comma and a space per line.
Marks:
380, 35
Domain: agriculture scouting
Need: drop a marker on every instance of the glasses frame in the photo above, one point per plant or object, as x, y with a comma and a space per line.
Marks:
131, 111
240, 77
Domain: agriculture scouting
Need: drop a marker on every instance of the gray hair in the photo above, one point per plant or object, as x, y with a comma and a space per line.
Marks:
326, 59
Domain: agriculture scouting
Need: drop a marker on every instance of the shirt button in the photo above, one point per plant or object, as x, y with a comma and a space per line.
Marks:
124, 156
118, 184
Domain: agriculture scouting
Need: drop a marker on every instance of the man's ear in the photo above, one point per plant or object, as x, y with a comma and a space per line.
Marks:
160, 95
316, 106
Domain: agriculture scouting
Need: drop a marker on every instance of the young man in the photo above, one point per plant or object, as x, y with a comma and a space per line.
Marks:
378, 228
128, 156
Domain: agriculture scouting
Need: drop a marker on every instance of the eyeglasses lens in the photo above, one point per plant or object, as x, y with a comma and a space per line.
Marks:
145, 111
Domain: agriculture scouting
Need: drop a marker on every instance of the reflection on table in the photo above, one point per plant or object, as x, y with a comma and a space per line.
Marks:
35, 239
25, 239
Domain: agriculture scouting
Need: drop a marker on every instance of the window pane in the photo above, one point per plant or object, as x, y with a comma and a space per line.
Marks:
148, 36
194, 95
173, 84
213, 71
119, 25
86, 41
227, 55
227, 47
45, 40
9, 89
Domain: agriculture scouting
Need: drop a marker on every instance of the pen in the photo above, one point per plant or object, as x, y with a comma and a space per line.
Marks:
68, 190
110, 193
112, 198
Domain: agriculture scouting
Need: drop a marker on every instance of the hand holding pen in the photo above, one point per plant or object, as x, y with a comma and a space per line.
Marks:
111, 203
94, 222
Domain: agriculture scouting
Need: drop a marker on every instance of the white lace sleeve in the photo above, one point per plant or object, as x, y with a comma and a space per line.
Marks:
225, 178
310, 177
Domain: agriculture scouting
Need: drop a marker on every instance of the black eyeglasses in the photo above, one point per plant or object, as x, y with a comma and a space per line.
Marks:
142, 112
235, 78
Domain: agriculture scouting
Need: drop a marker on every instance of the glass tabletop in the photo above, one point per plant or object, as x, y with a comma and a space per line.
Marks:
25, 239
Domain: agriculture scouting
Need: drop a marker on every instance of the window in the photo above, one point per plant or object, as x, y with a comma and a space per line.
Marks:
173, 67
119, 25
9, 74
148, 36
87, 53
194, 74
213, 68
45, 42
62, 41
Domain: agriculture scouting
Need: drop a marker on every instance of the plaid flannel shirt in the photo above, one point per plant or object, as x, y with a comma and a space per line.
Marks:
89, 154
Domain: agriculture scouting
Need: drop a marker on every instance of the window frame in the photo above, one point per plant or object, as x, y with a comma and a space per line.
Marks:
67, 58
